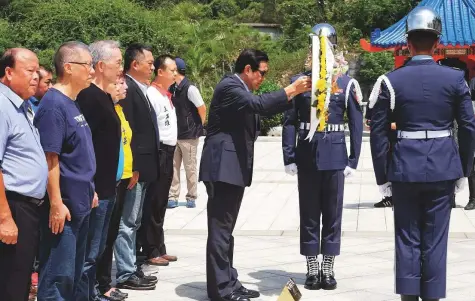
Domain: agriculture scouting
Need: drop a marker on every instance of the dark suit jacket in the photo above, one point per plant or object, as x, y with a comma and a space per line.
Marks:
98, 109
145, 136
228, 151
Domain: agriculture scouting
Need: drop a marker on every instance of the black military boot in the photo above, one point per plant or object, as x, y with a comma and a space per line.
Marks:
409, 298
313, 281
328, 276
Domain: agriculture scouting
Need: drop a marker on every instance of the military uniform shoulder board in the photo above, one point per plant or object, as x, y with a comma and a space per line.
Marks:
373, 98
356, 90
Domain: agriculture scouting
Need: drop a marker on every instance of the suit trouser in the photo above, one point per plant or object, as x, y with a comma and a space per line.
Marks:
471, 185
104, 264
421, 221
155, 206
16, 260
224, 202
186, 150
320, 194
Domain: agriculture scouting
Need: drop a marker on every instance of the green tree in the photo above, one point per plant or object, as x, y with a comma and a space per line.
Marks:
374, 65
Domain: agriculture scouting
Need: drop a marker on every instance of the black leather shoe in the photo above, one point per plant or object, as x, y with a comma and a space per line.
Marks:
470, 206
313, 282
136, 283
248, 293
149, 278
409, 298
328, 282
121, 293
235, 296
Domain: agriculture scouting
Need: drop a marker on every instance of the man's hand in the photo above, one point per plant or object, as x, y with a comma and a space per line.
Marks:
291, 169
95, 201
133, 180
302, 84
386, 189
348, 172
460, 185
8, 231
58, 214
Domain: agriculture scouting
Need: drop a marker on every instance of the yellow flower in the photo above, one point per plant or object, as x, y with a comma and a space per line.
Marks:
321, 85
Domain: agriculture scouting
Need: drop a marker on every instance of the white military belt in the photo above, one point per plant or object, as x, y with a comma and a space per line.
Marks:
328, 128
424, 134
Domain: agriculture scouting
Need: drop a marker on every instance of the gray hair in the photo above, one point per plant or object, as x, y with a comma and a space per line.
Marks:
101, 50
67, 52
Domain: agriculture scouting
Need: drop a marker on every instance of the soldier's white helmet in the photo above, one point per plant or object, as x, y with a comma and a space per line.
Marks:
327, 30
424, 18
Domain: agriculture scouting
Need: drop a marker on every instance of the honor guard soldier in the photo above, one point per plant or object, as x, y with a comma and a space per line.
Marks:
424, 166
320, 157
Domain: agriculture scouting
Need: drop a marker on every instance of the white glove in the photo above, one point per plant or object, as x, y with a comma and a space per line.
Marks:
291, 169
349, 172
460, 184
386, 189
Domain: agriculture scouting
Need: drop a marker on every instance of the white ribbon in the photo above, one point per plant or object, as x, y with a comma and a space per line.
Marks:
330, 61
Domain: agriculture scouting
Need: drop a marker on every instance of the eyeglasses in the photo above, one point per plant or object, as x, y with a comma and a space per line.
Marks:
263, 73
90, 65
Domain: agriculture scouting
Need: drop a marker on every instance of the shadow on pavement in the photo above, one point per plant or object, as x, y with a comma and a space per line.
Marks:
361, 205
193, 291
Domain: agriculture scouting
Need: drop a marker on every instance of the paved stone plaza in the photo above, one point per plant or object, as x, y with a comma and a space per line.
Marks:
267, 241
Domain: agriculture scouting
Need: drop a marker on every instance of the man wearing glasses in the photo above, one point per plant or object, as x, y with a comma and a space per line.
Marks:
227, 161
67, 142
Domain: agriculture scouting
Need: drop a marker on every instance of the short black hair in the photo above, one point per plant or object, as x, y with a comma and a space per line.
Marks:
159, 62
250, 57
181, 71
422, 40
132, 53
7, 60
44, 68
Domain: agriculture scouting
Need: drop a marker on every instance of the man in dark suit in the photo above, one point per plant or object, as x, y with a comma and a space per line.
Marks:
227, 162
424, 167
145, 145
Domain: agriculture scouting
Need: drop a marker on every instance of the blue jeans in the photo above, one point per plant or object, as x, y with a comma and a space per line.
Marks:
96, 243
124, 247
61, 258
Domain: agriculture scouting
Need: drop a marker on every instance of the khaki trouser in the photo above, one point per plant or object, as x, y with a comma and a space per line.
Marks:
186, 150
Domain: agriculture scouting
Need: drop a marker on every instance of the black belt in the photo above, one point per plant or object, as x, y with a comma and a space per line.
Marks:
166, 146
14, 196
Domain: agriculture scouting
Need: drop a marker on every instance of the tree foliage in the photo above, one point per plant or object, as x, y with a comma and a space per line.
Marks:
206, 33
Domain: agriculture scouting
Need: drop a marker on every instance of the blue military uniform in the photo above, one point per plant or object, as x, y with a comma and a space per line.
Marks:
321, 162
423, 98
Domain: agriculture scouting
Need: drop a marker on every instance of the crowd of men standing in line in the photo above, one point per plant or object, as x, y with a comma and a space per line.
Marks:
81, 160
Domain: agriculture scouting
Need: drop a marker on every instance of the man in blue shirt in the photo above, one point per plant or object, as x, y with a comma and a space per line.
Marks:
67, 142
23, 173
44, 83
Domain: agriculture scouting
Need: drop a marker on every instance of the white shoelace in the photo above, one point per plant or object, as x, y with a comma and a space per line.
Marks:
312, 265
327, 264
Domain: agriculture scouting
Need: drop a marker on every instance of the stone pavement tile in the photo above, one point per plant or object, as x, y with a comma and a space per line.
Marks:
289, 216
371, 220
459, 222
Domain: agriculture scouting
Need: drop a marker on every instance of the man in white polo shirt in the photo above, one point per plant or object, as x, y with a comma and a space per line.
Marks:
157, 196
